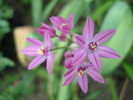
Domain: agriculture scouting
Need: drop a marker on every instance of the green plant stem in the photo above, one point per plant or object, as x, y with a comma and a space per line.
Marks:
69, 40
113, 88
59, 48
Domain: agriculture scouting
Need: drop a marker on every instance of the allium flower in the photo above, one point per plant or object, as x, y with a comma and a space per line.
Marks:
69, 56
63, 25
41, 51
46, 29
92, 46
80, 71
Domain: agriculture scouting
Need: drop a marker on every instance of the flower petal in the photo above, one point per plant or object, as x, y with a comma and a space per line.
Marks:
107, 52
95, 74
55, 22
83, 82
69, 78
48, 41
40, 31
70, 70
47, 26
66, 29
88, 29
68, 54
46, 29
31, 51
80, 40
37, 61
68, 62
95, 60
35, 42
62, 20
63, 38
104, 36
70, 19
50, 60
79, 57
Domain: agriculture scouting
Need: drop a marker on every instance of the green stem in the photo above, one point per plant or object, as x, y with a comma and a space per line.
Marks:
57, 36
58, 48
69, 40
113, 88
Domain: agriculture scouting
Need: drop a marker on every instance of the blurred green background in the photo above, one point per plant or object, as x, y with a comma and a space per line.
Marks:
20, 18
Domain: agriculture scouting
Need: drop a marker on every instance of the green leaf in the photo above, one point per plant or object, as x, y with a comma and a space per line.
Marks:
6, 12
36, 11
128, 68
48, 9
1, 2
94, 95
4, 28
11, 78
113, 88
101, 10
24, 84
122, 21
63, 90
5, 62
5, 97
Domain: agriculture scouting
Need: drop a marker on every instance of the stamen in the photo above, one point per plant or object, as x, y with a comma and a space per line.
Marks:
95, 49
63, 25
42, 48
93, 45
41, 51
81, 72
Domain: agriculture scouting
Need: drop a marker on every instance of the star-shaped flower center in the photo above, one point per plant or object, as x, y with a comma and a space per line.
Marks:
63, 25
92, 45
41, 51
81, 72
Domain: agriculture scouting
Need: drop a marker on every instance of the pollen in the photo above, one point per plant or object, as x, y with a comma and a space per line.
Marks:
63, 25
93, 45
81, 72
41, 51
42, 48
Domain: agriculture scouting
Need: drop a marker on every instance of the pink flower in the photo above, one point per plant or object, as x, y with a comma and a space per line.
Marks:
46, 29
41, 51
80, 71
63, 25
69, 56
92, 46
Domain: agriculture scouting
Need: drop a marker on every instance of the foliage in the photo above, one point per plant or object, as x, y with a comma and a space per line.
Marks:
5, 13
107, 14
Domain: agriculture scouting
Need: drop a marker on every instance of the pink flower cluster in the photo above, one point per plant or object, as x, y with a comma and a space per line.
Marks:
85, 50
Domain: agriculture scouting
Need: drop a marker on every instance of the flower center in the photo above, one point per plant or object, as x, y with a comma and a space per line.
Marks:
63, 25
41, 51
93, 45
81, 72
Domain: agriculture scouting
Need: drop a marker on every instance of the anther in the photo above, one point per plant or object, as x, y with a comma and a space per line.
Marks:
40, 52
79, 74
42, 48
95, 49
62, 25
